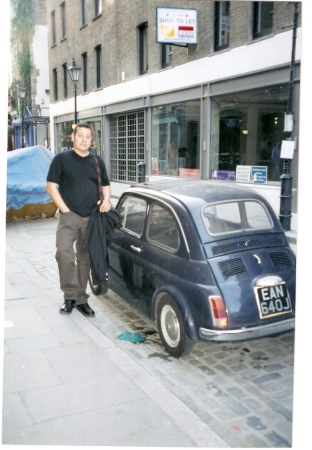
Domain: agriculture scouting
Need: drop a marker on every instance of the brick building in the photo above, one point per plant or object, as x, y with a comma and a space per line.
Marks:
213, 76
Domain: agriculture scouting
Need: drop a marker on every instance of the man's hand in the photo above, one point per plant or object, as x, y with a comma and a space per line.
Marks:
105, 206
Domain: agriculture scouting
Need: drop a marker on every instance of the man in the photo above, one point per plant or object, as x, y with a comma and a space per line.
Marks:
72, 183
182, 154
276, 160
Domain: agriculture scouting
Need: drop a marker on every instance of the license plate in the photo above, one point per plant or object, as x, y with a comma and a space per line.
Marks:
273, 300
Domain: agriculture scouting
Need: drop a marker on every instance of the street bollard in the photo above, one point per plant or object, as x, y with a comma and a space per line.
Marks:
141, 172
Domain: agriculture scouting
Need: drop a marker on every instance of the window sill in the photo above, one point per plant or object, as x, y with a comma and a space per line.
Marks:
83, 26
260, 38
98, 89
221, 50
64, 39
96, 17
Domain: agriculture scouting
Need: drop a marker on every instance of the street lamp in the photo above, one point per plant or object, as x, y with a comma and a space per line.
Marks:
74, 72
22, 94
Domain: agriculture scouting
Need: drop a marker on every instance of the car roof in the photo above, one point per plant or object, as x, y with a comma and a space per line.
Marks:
195, 194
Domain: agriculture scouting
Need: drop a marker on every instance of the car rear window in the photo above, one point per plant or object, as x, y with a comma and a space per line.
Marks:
229, 217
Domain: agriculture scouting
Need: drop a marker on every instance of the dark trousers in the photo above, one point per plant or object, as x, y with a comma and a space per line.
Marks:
73, 264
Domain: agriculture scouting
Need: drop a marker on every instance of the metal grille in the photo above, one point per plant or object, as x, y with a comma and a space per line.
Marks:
280, 259
232, 267
126, 146
246, 244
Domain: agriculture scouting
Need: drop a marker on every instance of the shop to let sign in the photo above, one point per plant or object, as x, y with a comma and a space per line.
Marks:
176, 26
252, 174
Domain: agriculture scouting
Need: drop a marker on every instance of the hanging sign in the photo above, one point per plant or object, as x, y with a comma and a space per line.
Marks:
176, 26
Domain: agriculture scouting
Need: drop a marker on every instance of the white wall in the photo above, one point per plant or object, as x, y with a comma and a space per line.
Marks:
41, 62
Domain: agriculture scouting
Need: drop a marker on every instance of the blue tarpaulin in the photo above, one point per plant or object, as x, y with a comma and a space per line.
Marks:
27, 176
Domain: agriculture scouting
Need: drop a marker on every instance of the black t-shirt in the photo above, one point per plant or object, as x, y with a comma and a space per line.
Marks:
77, 180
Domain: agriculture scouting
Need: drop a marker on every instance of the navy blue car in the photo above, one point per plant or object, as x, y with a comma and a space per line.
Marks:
208, 260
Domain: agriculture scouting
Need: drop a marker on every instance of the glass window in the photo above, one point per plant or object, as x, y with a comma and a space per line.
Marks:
65, 80
64, 131
246, 127
166, 55
98, 61
63, 20
222, 25
229, 217
262, 18
175, 139
55, 86
162, 229
95, 124
53, 28
84, 57
143, 56
97, 7
83, 12
133, 212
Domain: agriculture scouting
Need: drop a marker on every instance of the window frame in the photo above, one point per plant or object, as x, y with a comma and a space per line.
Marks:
83, 13
218, 25
97, 8
98, 66
53, 28
166, 55
65, 79
84, 59
63, 20
55, 84
143, 47
257, 30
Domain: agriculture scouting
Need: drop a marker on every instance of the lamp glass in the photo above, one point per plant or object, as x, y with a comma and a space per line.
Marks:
74, 71
22, 91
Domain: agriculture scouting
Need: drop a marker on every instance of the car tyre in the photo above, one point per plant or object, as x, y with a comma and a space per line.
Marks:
97, 289
171, 328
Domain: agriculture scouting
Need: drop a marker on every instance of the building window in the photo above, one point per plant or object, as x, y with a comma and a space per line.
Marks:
143, 56
83, 13
65, 80
222, 25
63, 20
53, 28
262, 18
84, 57
97, 7
55, 87
246, 127
98, 61
126, 145
175, 139
166, 55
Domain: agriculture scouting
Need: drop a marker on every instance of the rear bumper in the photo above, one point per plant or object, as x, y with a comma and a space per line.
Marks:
246, 333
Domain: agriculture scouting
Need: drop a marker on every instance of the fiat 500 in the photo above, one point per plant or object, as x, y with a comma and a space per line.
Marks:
208, 260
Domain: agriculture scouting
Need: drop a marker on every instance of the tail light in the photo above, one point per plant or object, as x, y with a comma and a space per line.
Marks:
219, 316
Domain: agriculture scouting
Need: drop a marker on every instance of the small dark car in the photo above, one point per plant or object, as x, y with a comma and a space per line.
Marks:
207, 259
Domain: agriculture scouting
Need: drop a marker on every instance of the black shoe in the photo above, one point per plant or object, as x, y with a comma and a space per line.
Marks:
85, 309
67, 307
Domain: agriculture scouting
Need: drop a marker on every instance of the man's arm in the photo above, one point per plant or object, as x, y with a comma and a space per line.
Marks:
106, 204
52, 190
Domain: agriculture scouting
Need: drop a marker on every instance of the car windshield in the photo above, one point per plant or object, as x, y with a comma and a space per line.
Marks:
229, 217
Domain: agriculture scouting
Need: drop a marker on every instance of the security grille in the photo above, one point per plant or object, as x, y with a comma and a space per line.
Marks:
126, 145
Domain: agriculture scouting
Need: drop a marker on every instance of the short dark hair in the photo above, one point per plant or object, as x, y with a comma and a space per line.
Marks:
82, 125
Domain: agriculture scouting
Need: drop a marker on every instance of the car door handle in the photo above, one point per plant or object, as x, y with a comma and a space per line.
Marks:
136, 249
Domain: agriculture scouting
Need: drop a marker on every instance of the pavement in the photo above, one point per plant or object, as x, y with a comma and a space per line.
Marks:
68, 379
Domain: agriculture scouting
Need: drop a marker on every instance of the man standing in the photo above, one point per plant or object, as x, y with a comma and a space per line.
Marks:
182, 154
276, 160
72, 183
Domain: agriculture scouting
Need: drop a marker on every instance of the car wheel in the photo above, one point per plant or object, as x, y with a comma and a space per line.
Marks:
171, 328
97, 289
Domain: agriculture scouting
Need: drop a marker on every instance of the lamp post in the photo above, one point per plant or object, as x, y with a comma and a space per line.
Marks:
22, 94
74, 72
286, 178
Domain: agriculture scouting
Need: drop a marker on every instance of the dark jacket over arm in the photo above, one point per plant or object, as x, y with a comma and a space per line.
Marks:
100, 228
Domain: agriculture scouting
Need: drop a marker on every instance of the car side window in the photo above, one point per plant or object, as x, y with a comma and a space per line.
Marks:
133, 212
162, 229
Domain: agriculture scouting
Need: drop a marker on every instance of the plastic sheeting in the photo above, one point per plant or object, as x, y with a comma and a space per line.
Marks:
27, 176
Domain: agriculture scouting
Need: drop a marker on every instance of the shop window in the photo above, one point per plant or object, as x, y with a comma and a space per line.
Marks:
166, 55
64, 131
98, 62
262, 18
126, 146
143, 54
246, 126
53, 28
175, 139
65, 92
63, 20
83, 13
84, 58
222, 25
55, 86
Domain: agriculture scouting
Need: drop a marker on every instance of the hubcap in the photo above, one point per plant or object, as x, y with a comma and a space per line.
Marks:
170, 326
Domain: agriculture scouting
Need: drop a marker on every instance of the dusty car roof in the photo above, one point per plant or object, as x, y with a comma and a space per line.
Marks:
195, 194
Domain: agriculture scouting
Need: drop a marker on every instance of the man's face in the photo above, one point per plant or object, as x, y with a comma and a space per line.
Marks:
82, 139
